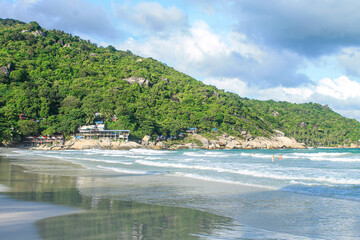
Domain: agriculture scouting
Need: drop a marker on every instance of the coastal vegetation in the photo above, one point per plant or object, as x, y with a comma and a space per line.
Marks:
52, 82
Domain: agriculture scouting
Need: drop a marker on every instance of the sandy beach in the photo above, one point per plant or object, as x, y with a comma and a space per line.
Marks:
18, 218
38, 205
57, 199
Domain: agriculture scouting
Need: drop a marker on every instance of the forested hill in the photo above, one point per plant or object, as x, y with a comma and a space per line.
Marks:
59, 82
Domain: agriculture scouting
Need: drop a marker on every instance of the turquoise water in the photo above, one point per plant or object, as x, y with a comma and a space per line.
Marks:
313, 193
330, 172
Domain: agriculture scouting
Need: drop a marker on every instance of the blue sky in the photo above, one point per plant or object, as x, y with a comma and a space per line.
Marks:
297, 51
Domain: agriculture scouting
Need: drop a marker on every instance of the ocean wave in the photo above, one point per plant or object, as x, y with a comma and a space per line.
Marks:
96, 160
194, 154
133, 156
11, 155
142, 151
174, 165
105, 152
121, 170
220, 180
193, 160
153, 158
114, 155
205, 155
262, 173
257, 155
215, 153
335, 159
319, 154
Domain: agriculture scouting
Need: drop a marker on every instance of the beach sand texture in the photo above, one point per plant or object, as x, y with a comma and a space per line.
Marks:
74, 202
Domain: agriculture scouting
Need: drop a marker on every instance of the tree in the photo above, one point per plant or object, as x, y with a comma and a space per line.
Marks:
70, 102
20, 75
33, 26
28, 127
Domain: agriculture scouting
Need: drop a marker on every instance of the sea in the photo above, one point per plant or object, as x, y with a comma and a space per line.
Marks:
267, 194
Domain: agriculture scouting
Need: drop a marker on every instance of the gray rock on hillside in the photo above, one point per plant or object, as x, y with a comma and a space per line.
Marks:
138, 80
39, 33
5, 71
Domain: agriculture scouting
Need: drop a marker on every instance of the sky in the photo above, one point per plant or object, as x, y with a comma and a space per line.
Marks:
297, 51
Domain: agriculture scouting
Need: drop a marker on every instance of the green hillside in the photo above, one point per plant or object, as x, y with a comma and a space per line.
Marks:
61, 82
311, 123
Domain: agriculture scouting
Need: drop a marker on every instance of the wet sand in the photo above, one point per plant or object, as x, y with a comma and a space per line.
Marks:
144, 206
17, 218
38, 205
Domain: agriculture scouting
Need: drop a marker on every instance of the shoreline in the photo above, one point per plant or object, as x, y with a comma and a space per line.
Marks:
21, 217
134, 189
18, 218
192, 141
134, 145
248, 211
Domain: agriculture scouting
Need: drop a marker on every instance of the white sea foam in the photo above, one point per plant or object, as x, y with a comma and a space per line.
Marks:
212, 179
268, 156
194, 154
216, 153
190, 159
11, 155
335, 159
256, 155
120, 170
115, 155
174, 165
132, 156
95, 160
261, 173
154, 158
319, 154
142, 151
206, 154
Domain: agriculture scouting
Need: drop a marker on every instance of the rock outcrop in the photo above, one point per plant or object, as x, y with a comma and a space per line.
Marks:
145, 141
39, 33
35, 33
6, 70
82, 144
193, 141
138, 80
229, 142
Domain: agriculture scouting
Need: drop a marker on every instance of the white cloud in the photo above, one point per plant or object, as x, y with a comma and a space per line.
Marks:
152, 18
185, 51
75, 16
341, 88
202, 53
349, 59
312, 28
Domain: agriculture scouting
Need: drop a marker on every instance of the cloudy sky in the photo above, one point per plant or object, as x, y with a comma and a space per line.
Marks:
297, 51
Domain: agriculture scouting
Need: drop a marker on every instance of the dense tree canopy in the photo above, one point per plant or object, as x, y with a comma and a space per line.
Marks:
59, 82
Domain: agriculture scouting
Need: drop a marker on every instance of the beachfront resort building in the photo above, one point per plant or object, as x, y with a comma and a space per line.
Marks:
35, 141
99, 131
